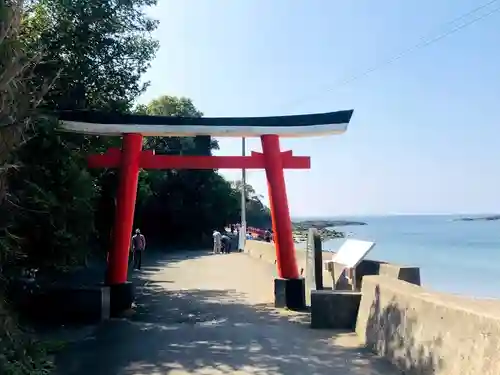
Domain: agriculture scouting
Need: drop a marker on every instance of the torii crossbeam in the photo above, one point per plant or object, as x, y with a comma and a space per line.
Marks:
131, 158
149, 160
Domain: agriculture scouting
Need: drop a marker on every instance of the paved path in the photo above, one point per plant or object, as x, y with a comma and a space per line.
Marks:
212, 314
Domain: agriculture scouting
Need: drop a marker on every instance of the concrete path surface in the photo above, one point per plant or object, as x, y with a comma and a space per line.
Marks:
199, 313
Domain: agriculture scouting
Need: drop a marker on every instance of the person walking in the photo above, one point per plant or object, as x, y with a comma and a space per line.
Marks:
138, 247
217, 241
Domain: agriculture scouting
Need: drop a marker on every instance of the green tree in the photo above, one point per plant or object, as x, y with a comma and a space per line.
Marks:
257, 213
96, 51
51, 205
185, 205
101, 48
19, 96
81, 54
173, 106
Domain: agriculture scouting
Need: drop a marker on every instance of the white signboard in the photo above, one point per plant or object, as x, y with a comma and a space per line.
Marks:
352, 252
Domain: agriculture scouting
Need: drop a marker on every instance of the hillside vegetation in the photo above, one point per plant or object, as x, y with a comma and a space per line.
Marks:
55, 213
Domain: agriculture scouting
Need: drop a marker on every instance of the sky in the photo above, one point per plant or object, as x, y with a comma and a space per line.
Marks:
425, 134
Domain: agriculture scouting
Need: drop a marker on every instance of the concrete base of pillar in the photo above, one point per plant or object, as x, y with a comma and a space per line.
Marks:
290, 293
334, 309
121, 298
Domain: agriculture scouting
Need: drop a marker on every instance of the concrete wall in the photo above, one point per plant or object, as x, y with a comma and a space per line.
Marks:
425, 332
266, 251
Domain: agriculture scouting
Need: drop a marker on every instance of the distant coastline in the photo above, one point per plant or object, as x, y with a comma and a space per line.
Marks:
356, 217
325, 228
479, 218
322, 224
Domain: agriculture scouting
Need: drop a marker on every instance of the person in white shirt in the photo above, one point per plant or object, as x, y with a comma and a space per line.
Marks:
217, 241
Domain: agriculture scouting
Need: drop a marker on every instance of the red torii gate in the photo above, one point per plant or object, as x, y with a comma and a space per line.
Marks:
131, 158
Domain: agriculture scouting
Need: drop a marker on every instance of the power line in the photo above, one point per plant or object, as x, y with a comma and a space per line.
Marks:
469, 13
424, 42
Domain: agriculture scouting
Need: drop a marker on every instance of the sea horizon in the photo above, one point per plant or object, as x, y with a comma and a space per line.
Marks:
339, 217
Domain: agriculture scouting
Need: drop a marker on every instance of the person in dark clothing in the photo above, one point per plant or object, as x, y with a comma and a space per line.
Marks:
226, 244
138, 247
267, 236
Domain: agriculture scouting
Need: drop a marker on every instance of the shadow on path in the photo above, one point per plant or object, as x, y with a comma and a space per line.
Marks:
209, 331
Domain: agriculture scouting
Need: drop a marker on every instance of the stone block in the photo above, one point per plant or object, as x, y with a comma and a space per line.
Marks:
121, 298
60, 305
334, 309
290, 293
371, 267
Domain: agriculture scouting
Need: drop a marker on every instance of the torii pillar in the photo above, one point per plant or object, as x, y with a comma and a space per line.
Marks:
289, 288
280, 213
124, 212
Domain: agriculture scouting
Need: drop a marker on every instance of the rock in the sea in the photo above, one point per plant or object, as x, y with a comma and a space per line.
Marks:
322, 224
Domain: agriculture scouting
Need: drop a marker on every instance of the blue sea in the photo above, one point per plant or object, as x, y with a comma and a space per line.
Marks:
461, 257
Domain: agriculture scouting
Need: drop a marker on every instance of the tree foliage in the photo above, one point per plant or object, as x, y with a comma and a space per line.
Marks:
95, 52
74, 54
101, 47
19, 95
257, 214
185, 205
51, 201
82, 54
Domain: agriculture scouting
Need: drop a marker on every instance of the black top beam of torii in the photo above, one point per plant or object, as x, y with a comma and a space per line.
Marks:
112, 123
